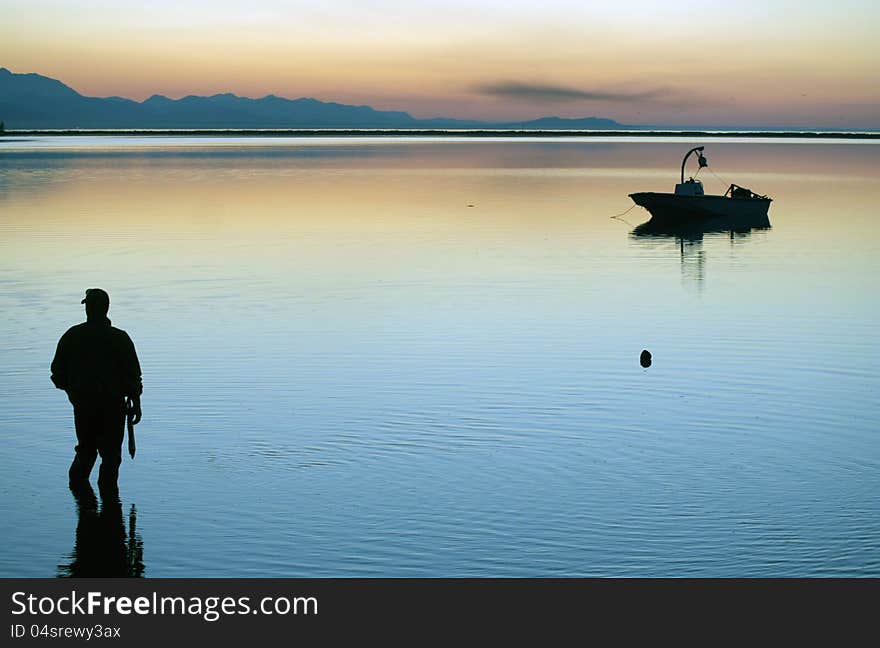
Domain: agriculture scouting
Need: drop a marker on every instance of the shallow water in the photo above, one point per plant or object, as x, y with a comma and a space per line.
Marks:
421, 357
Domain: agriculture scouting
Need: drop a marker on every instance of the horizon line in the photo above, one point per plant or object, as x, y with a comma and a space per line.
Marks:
647, 132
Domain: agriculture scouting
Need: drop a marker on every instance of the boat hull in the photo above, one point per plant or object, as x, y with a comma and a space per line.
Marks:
668, 209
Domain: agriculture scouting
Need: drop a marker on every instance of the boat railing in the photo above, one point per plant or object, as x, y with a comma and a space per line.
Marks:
736, 191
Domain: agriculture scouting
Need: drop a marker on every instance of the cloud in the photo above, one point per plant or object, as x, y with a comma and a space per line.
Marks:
543, 92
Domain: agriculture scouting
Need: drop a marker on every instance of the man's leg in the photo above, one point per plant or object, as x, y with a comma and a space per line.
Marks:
110, 445
87, 424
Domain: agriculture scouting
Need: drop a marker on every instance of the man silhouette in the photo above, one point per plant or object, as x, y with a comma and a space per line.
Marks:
96, 364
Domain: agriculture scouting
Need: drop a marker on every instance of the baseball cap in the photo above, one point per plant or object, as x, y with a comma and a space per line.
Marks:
96, 297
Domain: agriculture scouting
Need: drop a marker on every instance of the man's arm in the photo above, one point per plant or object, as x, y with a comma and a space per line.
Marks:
59, 364
134, 384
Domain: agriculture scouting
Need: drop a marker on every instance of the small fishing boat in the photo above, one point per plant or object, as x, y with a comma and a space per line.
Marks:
690, 205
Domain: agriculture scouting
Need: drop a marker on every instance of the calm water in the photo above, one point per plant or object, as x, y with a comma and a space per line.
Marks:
420, 358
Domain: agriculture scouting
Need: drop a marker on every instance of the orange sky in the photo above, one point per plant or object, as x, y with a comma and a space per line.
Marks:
698, 63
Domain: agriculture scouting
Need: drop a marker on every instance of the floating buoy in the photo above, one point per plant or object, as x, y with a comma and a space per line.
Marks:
645, 359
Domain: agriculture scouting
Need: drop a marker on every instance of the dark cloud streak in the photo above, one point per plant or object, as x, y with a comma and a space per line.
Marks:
542, 92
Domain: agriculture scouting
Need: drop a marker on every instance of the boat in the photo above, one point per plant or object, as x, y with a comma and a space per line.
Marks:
690, 206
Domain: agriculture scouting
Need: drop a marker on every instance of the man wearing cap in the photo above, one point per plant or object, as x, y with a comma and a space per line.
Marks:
96, 364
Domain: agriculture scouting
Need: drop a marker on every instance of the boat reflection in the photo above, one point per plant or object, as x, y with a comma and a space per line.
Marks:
695, 229
689, 239
103, 547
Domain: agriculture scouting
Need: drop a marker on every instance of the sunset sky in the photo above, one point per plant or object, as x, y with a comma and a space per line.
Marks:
770, 62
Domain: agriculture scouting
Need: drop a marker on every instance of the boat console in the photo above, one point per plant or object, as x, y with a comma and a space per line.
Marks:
690, 187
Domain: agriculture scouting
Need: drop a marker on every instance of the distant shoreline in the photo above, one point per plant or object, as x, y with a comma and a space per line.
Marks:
475, 133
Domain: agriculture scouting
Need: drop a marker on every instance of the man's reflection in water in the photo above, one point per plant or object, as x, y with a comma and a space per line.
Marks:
103, 548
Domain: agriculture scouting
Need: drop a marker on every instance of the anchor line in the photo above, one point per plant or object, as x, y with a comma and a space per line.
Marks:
719, 178
622, 214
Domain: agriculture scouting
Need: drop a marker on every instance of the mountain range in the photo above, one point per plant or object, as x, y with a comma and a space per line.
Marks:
33, 101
